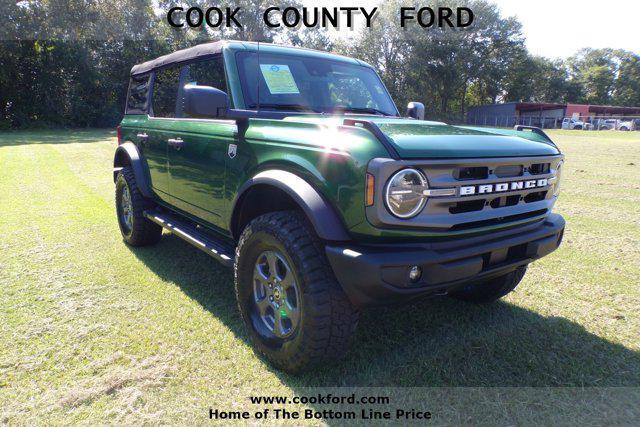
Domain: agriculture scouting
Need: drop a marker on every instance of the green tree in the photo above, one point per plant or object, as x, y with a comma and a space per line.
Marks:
594, 70
537, 79
65, 63
626, 90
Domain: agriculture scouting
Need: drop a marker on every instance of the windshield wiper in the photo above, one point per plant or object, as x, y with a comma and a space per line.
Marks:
363, 110
290, 107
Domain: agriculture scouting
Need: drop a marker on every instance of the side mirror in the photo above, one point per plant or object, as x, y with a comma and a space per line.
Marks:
205, 101
415, 110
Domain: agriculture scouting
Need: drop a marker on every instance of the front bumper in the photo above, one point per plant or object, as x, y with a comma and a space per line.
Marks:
376, 275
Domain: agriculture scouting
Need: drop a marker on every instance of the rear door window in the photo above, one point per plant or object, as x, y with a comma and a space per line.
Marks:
165, 92
138, 97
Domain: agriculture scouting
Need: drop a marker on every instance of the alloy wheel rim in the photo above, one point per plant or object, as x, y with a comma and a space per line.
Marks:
276, 294
127, 209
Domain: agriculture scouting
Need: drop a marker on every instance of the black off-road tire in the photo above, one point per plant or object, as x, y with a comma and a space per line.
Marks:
327, 319
142, 231
493, 290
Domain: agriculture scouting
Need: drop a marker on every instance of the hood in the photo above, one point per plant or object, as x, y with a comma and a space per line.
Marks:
437, 140
414, 139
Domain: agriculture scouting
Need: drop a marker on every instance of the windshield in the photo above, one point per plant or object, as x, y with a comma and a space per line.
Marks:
298, 83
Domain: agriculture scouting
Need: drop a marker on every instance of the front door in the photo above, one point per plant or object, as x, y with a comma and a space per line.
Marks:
197, 153
198, 148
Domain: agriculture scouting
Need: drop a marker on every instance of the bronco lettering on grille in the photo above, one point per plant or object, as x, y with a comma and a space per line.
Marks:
470, 190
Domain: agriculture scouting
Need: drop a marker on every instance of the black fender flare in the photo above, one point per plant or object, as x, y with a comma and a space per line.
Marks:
127, 154
320, 213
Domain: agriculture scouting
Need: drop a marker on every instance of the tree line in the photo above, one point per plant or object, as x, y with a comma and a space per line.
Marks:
66, 63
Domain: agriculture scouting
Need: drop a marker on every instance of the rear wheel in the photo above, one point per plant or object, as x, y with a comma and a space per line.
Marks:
296, 313
492, 290
136, 229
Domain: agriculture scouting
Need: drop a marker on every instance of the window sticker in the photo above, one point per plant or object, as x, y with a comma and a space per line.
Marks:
279, 79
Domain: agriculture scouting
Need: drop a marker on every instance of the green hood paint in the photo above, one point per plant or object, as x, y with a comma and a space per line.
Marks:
423, 139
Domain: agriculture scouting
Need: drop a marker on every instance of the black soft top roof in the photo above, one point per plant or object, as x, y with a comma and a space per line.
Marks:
179, 56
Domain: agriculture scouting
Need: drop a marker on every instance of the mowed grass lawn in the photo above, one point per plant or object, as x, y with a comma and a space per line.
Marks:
94, 331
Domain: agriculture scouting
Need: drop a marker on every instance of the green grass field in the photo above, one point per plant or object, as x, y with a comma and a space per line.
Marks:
94, 331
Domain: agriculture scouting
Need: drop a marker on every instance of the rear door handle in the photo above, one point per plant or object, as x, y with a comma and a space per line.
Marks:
143, 137
176, 143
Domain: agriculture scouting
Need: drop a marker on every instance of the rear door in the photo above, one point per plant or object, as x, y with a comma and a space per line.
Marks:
198, 148
137, 113
160, 124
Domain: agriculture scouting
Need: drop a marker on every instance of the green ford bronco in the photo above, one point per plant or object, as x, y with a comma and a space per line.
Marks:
295, 168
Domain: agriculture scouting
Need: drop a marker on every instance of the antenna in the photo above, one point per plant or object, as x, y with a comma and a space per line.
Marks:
258, 75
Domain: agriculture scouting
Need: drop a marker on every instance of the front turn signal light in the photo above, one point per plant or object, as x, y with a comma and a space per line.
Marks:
371, 181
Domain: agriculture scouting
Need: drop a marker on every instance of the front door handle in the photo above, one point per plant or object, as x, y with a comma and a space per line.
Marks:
176, 143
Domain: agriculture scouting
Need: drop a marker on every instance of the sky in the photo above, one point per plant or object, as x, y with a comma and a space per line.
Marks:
560, 28
556, 28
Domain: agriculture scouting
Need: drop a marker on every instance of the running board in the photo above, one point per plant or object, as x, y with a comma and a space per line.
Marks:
193, 234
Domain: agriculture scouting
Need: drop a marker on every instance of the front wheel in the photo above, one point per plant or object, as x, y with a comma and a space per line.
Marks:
492, 290
136, 229
296, 313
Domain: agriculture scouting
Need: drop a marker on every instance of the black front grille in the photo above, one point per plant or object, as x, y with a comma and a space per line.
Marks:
539, 168
508, 171
499, 220
463, 174
501, 202
535, 197
468, 206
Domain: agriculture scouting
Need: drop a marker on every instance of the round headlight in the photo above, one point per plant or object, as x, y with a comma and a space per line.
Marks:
556, 185
403, 195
